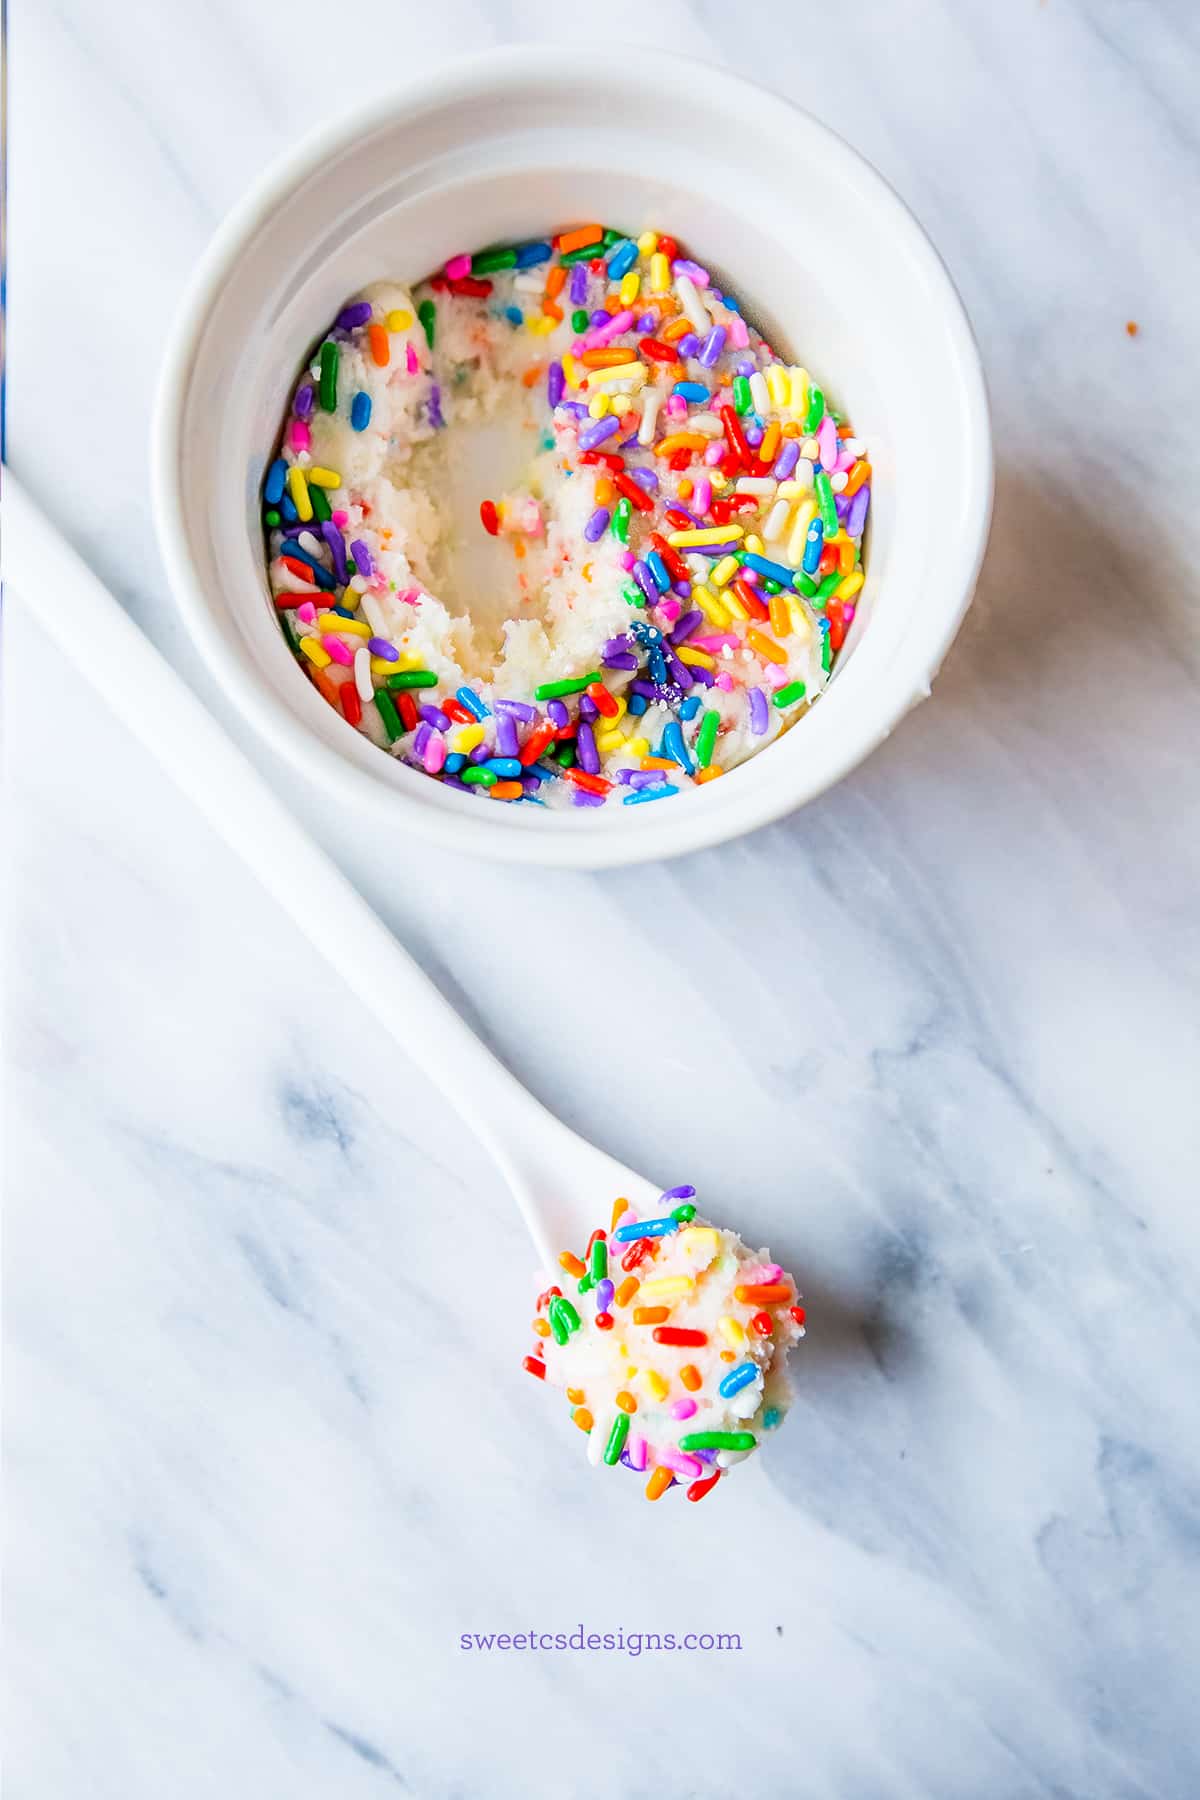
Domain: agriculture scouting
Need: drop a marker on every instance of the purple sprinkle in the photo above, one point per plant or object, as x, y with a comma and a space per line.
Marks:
753, 435
362, 558
587, 707
578, 284
585, 742
858, 511
682, 675
707, 1456
421, 738
433, 715
688, 345
711, 348
758, 711
507, 743
626, 775
787, 459
646, 478
435, 407
682, 588
599, 318
337, 549
646, 689
597, 525
615, 645
684, 1192
686, 625
531, 783
646, 582
713, 550
642, 778
557, 714
574, 409
620, 659
555, 383
381, 647
350, 316
580, 797
744, 366
704, 677
647, 322
683, 266
594, 435
841, 506
480, 753
518, 710
604, 1294
302, 405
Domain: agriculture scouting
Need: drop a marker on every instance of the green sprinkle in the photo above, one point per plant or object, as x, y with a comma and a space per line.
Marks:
427, 313
687, 1212
583, 254
599, 1268
829, 516
412, 678
770, 587
633, 594
271, 518
584, 1285
612, 237
289, 632
620, 526
566, 756
826, 652
477, 777
742, 401
788, 696
489, 261
828, 585
554, 690
329, 375
566, 1310
389, 715
709, 726
616, 1438
320, 504
558, 1324
804, 584
718, 1440
816, 409
579, 320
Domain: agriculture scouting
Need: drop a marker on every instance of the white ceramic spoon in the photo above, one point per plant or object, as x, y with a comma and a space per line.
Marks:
561, 1183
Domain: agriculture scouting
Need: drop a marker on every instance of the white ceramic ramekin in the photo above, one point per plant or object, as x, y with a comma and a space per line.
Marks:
825, 258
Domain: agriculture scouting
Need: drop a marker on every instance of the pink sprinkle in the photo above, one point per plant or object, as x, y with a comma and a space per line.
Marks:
848, 612
702, 495
411, 359
339, 651
682, 1409
776, 676
616, 325
670, 610
691, 1466
724, 681
341, 518
677, 406
457, 267
299, 436
627, 560
827, 443
628, 1217
846, 461
760, 1275
409, 596
715, 452
739, 337
636, 1450
752, 576
307, 613
717, 641
435, 753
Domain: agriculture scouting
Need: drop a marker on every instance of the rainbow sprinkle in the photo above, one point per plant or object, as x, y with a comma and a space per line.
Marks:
682, 1388
730, 500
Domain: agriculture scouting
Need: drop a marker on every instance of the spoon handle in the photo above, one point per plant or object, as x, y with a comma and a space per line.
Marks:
557, 1179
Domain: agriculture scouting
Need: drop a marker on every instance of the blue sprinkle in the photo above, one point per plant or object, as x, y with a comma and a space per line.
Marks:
654, 793
508, 767
530, 254
514, 315
273, 486
690, 707
473, 703
737, 1379
287, 510
360, 410
320, 574
342, 612
637, 705
774, 571
623, 257
658, 569
692, 390
771, 1418
454, 762
674, 747
645, 1228
813, 544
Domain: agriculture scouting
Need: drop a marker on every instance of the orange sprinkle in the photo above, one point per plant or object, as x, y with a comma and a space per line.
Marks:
572, 1264
377, 338
586, 571
658, 762
681, 440
533, 374
1131, 327
608, 357
505, 790
690, 1374
686, 490
576, 1396
765, 646
650, 1315
627, 1290
709, 774
770, 442
677, 329
781, 618
619, 1206
541, 1327
769, 1295
552, 310
845, 552
603, 495
518, 545
575, 240
555, 282
583, 1418
658, 1484
626, 1402
859, 473
327, 689
728, 1356
612, 303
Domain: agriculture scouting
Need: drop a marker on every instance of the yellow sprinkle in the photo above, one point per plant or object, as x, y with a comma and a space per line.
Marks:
710, 606
732, 1331
660, 273
348, 627
724, 571
630, 371
777, 384
797, 391
846, 590
319, 657
599, 405
638, 746
730, 599
648, 243
667, 1287
754, 544
573, 371
655, 1384
381, 666
806, 512
326, 478
400, 320
794, 490
800, 626
299, 492
540, 325
699, 659
714, 534
700, 1241
465, 738
621, 404
628, 290
351, 598
608, 741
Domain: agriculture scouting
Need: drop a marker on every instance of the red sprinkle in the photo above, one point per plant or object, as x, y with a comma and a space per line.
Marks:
656, 351
539, 738
668, 247
604, 1321
300, 570
537, 1367
591, 784
679, 459
490, 517
698, 1489
674, 564
406, 706
605, 458
351, 702
750, 599
761, 1324
633, 1258
636, 496
674, 1334
471, 284
545, 1299
454, 709
602, 700
798, 1314
733, 432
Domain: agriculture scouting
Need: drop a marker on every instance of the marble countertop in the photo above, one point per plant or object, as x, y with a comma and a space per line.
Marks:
935, 1037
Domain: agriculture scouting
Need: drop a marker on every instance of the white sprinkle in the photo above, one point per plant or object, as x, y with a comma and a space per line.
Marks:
691, 303
753, 484
706, 423
759, 393
650, 406
776, 525
362, 674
